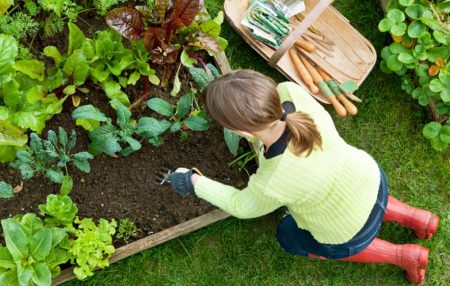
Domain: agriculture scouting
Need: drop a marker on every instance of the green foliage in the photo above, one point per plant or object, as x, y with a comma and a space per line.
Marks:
6, 190
438, 135
59, 209
203, 76
242, 158
61, 8
33, 251
92, 246
19, 25
127, 229
420, 54
104, 6
52, 157
181, 118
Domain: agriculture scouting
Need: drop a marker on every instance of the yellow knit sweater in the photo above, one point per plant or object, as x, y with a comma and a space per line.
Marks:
330, 193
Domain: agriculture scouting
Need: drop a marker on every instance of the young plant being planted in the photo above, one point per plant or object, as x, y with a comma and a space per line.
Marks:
52, 158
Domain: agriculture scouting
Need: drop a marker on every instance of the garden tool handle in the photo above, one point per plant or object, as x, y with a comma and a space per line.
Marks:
302, 71
350, 107
298, 31
317, 78
304, 44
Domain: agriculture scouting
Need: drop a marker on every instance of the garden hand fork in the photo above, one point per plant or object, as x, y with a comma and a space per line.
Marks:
162, 176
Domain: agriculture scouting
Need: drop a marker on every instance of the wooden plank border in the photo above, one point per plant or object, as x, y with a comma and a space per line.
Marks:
170, 233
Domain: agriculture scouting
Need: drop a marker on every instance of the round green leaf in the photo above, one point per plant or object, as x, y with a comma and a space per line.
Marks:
396, 15
393, 63
385, 53
6, 190
436, 85
438, 144
416, 28
445, 94
405, 3
444, 77
442, 108
414, 11
424, 100
406, 58
385, 25
444, 134
384, 68
431, 130
418, 92
398, 29
397, 48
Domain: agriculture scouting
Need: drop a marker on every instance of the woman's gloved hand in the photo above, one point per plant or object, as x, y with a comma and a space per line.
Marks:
181, 180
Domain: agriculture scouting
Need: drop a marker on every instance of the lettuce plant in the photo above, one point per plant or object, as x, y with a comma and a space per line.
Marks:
92, 246
59, 210
420, 55
33, 251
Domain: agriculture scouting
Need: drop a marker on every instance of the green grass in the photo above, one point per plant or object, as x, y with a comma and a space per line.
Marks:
235, 252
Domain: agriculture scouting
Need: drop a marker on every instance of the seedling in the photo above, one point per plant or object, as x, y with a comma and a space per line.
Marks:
127, 230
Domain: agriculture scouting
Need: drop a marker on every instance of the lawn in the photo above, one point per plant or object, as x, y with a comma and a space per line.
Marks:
245, 252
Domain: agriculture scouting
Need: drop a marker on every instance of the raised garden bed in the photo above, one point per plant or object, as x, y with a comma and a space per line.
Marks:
119, 187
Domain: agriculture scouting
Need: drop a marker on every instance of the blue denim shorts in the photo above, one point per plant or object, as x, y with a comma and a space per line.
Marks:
300, 242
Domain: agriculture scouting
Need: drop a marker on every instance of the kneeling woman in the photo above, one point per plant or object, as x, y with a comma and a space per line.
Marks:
336, 194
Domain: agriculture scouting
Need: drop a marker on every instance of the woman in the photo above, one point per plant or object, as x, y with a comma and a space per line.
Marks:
336, 194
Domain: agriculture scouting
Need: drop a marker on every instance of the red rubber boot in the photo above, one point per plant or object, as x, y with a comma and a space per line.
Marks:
422, 222
411, 257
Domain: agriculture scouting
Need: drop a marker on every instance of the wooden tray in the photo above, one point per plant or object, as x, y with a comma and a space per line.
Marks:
353, 56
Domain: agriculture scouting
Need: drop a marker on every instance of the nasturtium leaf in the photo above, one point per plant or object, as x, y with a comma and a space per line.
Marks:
445, 94
6, 191
438, 52
416, 28
53, 53
32, 68
393, 63
406, 58
8, 52
67, 185
398, 29
384, 68
444, 134
184, 105
414, 11
431, 130
385, 25
76, 38
405, 3
40, 244
396, 15
127, 21
15, 238
160, 106
196, 123
444, 77
438, 144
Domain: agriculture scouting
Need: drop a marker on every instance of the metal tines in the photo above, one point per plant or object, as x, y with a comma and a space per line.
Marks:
162, 176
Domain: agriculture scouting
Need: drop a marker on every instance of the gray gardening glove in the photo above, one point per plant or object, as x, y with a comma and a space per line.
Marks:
181, 180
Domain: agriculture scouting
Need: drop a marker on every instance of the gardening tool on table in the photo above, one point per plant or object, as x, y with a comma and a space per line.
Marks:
350, 107
324, 89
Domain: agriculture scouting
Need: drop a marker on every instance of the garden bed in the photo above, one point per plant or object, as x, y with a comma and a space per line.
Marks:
119, 187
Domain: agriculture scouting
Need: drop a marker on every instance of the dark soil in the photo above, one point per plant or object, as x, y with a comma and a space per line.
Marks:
124, 187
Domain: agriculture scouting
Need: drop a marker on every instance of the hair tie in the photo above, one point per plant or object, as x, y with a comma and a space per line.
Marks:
283, 117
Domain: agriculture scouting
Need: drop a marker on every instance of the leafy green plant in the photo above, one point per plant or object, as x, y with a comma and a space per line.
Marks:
52, 157
438, 134
59, 210
19, 25
127, 229
33, 251
6, 190
104, 6
176, 28
242, 159
92, 246
420, 54
181, 118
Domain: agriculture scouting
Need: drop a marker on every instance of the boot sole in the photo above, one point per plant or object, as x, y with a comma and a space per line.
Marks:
431, 228
418, 275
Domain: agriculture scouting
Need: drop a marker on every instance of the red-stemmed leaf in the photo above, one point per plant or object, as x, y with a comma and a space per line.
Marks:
127, 21
161, 52
183, 13
206, 42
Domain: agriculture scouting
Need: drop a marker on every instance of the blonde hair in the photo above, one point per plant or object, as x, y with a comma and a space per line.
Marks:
248, 101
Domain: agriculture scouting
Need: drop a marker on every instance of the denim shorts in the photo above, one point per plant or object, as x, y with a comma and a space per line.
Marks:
300, 242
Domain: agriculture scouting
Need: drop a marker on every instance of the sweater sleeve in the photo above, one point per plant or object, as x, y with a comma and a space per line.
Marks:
247, 203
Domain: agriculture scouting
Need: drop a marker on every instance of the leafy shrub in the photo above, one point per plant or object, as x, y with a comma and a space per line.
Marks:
420, 54
92, 246
33, 251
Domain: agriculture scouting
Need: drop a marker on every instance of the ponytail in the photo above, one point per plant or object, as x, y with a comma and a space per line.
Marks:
303, 133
